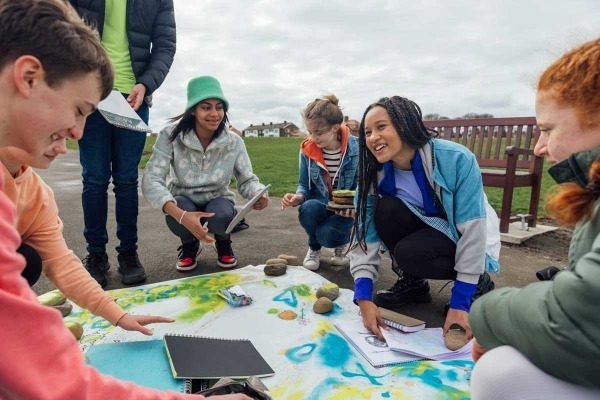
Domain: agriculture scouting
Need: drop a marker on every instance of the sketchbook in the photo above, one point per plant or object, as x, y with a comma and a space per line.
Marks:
375, 350
198, 357
144, 363
118, 112
401, 321
427, 343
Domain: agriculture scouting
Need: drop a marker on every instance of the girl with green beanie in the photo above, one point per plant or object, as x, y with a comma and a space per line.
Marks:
189, 172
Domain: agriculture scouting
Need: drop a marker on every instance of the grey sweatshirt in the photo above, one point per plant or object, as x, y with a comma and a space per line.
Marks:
185, 168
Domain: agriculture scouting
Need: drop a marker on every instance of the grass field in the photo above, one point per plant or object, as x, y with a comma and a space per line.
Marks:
275, 161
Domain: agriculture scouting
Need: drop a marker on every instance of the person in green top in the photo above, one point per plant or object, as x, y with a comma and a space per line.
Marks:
139, 37
543, 341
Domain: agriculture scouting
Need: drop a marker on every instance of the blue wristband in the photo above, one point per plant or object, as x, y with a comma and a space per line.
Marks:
462, 295
363, 289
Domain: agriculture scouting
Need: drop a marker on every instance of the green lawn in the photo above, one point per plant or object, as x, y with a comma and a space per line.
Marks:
275, 161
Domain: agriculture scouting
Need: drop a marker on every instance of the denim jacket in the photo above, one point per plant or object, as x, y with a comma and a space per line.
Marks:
454, 175
314, 182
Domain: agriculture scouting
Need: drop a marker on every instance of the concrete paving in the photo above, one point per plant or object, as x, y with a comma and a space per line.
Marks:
272, 231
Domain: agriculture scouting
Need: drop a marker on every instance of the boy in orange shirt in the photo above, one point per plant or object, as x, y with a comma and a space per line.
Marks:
41, 229
53, 73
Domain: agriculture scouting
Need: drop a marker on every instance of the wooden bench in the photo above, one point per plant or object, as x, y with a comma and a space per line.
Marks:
504, 151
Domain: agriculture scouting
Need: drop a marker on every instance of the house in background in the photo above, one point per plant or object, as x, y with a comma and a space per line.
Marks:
284, 129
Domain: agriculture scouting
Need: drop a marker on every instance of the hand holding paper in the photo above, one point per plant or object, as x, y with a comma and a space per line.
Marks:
136, 97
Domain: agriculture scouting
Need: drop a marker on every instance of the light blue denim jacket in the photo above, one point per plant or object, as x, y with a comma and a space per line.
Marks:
313, 175
454, 174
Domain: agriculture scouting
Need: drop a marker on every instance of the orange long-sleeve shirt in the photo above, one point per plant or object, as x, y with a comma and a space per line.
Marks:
40, 227
40, 357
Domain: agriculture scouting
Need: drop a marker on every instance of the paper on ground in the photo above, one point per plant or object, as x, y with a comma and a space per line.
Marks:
427, 343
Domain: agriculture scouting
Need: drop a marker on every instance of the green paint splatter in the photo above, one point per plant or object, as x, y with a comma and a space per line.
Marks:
269, 282
273, 311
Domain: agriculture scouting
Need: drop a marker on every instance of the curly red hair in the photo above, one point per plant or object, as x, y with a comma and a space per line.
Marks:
574, 80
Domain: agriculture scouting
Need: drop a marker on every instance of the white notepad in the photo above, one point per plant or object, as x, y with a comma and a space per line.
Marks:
118, 112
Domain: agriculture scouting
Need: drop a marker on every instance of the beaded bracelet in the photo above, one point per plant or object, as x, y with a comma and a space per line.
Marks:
181, 218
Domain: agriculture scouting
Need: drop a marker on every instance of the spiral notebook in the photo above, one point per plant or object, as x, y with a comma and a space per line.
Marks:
144, 363
375, 350
199, 357
117, 111
400, 321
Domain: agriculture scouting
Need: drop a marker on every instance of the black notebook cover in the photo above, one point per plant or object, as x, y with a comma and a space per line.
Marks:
197, 357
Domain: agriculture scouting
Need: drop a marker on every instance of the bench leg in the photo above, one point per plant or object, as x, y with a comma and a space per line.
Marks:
534, 201
507, 195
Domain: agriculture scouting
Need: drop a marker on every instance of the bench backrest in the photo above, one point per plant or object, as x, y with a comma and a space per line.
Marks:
487, 138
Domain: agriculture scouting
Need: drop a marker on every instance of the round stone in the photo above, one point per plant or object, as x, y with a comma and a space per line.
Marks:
455, 339
329, 290
291, 260
275, 269
323, 305
271, 261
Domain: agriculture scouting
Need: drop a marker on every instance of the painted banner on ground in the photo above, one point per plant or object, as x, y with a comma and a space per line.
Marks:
311, 359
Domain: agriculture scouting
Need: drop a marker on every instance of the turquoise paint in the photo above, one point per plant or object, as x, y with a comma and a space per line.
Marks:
334, 350
288, 297
385, 395
301, 353
322, 388
433, 376
364, 374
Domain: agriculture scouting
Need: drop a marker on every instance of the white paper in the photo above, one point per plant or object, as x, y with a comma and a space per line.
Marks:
118, 112
426, 343
370, 346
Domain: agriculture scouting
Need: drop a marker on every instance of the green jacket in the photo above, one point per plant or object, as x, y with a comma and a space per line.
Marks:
555, 324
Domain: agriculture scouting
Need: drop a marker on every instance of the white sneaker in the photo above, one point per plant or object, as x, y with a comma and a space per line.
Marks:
340, 259
312, 259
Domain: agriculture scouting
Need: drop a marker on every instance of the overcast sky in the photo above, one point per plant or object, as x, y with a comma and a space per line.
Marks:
451, 57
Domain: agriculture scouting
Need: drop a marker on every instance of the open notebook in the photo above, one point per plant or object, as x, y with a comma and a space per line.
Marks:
376, 351
198, 357
144, 363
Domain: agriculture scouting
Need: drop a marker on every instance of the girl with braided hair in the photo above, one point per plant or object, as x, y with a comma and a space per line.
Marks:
541, 341
423, 198
328, 160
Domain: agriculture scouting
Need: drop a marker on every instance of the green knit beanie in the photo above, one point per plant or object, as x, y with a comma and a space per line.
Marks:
203, 88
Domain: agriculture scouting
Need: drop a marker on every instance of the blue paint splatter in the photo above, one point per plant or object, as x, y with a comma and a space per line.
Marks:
288, 297
322, 388
385, 395
365, 374
334, 350
300, 353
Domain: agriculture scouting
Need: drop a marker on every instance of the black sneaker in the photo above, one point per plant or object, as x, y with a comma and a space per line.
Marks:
186, 261
225, 257
406, 290
484, 285
97, 265
130, 268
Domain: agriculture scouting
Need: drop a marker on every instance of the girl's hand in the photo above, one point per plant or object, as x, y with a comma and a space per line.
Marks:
261, 203
291, 200
137, 322
477, 350
458, 317
348, 213
372, 317
191, 220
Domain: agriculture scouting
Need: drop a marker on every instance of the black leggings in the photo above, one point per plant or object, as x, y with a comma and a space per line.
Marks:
418, 249
33, 267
